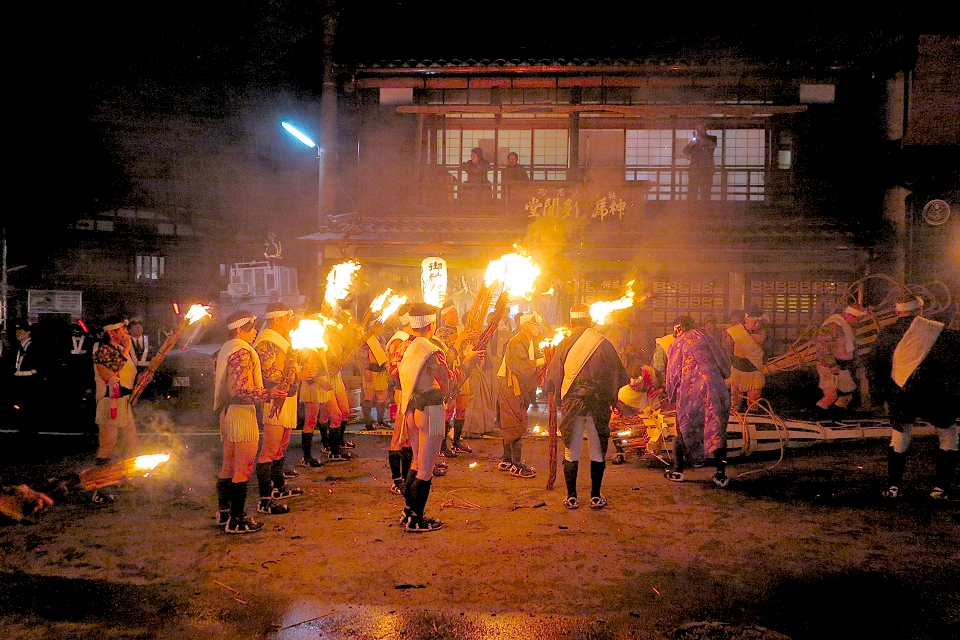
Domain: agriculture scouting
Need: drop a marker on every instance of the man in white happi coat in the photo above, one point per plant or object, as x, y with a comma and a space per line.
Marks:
836, 348
279, 368
425, 381
399, 451
116, 376
238, 386
743, 343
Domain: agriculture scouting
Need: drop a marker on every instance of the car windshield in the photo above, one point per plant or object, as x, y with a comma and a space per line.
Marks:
204, 332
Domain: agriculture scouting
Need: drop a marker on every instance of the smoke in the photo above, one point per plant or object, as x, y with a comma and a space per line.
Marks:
190, 474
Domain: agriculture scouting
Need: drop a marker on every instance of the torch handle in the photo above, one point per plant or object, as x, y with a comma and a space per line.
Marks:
144, 379
552, 442
352, 350
287, 379
551, 424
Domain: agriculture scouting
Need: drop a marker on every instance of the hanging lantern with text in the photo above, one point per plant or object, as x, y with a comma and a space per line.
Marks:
433, 280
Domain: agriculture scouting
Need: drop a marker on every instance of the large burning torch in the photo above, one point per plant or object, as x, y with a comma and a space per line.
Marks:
516, 273
194, 314
600, 311
339, 281
386, 308
118, 472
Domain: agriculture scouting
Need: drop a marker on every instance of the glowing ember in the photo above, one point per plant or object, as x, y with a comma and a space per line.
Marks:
198, 312
473, 464
394, 303
338, 282
309, 334
600, 310
148, 463
377, 303
556, 338
516, 272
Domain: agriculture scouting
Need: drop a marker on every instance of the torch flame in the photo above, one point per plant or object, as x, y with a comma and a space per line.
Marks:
600, 310
338, 282
516, 272
309, 334
150, 462
556, 338
395, 303
198, 312
377, 303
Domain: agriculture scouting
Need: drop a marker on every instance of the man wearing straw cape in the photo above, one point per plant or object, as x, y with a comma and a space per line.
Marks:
587, 372
116, 376
914, 367
518, 389
273, 348
238, 386
425, 381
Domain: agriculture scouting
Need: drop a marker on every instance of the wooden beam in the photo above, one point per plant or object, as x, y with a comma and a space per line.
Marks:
629, 111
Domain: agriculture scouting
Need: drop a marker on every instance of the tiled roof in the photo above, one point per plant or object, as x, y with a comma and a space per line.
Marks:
736, 50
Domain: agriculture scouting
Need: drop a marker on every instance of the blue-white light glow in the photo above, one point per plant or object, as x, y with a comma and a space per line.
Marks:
298, 135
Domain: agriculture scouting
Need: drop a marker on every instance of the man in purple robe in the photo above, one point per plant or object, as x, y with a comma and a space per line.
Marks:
696, 369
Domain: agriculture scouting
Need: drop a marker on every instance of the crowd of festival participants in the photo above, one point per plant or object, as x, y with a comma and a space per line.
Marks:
427, 366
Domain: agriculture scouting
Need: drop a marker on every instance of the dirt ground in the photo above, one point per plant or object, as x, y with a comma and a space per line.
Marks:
806, 549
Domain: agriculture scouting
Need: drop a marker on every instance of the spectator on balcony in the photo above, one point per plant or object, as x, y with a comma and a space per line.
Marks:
514, 171
477, 187
700, 151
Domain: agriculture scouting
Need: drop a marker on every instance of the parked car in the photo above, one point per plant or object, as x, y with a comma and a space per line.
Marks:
184, 380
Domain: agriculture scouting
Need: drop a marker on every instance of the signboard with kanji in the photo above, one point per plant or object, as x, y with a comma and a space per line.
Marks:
49, 301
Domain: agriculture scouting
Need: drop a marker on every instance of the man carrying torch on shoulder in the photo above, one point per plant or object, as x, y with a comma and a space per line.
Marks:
238, 387
518, 389
279, 369
116, 376
452, 335
399, 452
587, 372
425, 381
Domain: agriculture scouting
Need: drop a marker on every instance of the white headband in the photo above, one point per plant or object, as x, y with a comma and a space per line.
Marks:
236, 324
114, 326
524, 318
854, 311
278, 314
916, 303
405, 319
419, 322
579, 314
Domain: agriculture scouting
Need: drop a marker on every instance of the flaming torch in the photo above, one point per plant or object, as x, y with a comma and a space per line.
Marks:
339, 281
195, 313
600, 311
389, 307
549, 347
516, 273
118, 472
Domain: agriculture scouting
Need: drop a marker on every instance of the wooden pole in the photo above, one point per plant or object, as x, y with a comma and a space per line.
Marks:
144, 378
551, 424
